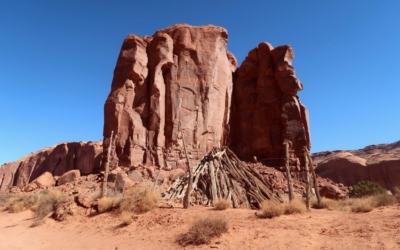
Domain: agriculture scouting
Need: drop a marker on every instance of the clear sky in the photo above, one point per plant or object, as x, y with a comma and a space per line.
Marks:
57, 60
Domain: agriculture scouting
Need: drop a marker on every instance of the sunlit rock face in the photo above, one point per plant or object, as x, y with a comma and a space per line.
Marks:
183, 79
178, 79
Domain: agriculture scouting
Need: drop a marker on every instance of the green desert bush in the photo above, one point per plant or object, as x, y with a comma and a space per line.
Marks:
203, 230
366, 188
295, 206
270, 209
221, 204
139, 200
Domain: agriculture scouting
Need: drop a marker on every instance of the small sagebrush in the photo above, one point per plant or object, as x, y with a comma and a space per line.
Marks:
203, 231
270, 209
46, 203
325, 203
362, 205
295, 207
126, 218
221, 204
20, 202
5, 197
383, 199
139, 200
107, 203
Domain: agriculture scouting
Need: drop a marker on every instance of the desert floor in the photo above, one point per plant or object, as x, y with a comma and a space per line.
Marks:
320, 229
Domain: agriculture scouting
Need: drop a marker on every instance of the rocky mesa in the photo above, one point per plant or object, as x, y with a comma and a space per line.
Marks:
377, 163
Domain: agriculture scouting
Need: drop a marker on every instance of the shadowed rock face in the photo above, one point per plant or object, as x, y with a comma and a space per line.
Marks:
268, 111
182, 78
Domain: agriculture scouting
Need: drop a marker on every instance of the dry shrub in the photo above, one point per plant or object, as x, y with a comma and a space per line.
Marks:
111, 192
363, 205
221, 204
383, 199
126, 218
47, 202
5, 197
325, 203
270, 209
295, 206
397, 193
203, 230
108, 203
139, 200
21, 202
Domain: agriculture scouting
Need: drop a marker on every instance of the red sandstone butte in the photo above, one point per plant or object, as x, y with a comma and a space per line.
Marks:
182, 77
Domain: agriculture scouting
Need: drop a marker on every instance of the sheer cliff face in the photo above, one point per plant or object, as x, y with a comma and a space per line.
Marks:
268, 111
178, 79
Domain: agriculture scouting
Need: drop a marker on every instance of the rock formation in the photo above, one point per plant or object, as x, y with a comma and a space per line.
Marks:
376, 163
56, 160
182, 78
268, 111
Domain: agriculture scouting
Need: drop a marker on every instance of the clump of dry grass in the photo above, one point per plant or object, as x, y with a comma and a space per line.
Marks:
325, 203
46, 203
203, 230
362, 205
139, 200
108, 203
5, 197
270, 209
20, 202
383, 199
221, 204
295, 206
126, 218
397, 193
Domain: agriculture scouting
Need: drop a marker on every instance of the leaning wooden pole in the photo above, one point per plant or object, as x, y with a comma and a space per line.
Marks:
186, 199
289, 176
314, 178
307, 170
107, 167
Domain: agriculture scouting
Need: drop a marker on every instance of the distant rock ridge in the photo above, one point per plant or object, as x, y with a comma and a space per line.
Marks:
378, 163
57, 160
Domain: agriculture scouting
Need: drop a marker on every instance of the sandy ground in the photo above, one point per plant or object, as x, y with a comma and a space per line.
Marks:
320, 229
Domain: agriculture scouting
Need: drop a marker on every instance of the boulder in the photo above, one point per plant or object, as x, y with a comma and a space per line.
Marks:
123, 182
68, 177
44, 181
135, 176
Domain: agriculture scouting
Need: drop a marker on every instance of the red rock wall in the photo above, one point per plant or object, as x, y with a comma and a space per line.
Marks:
181, 76
57, 160
267, 110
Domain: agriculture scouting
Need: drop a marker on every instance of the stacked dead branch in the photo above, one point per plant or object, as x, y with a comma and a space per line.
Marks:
220, 174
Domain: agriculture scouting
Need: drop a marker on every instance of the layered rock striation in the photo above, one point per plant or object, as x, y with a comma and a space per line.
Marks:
183, 79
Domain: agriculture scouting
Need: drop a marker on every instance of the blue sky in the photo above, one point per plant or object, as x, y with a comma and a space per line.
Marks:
57, 59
